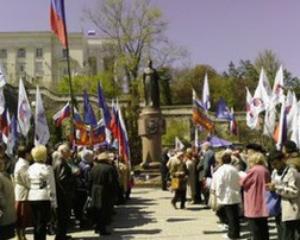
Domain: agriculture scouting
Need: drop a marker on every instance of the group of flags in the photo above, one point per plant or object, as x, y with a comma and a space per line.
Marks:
265, 100
201, 107
12, 127
110, 130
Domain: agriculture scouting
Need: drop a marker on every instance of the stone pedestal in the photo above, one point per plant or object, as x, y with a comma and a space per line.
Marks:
151, 127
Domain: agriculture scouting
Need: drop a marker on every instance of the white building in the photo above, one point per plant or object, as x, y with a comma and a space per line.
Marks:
38, 57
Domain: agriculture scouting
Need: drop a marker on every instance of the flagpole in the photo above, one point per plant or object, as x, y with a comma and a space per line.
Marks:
71, 94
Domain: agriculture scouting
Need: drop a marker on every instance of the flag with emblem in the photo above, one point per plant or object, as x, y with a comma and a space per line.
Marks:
24, 110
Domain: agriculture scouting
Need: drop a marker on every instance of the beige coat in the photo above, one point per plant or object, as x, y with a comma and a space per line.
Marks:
190, 164
289, 190
7, 200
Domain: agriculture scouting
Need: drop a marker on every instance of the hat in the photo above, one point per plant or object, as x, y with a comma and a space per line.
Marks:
103, 156
39, 153
189, 151
290, 147
255, 147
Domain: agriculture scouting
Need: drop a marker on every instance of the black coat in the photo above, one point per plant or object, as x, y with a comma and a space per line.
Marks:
103, 185
103, 190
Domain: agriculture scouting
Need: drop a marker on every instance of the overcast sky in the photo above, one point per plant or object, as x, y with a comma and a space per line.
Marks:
214, 31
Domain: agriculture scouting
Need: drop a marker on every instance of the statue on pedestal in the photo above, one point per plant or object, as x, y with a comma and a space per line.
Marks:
151, 86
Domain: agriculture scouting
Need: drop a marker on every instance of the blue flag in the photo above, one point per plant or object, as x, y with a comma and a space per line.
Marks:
88, 113
222, 111
102, 104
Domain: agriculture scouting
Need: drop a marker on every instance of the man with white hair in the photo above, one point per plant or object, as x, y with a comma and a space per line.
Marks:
65, 183
85, 166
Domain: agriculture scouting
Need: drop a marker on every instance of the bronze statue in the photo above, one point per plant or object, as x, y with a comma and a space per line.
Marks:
151, 86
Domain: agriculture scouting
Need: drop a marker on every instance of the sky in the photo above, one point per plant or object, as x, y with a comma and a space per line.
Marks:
215, 32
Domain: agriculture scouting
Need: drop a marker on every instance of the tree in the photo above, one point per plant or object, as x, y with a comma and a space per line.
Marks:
269, 61
111, 87
136, 29
165, 89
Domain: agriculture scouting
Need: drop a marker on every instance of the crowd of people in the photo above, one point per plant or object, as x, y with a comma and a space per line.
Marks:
42, 188
239, 184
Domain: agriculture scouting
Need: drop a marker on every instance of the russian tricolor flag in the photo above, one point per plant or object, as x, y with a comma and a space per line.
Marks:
62, 114
58, 21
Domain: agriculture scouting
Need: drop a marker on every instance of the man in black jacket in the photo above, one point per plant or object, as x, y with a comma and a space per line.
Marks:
65, 183
103, 189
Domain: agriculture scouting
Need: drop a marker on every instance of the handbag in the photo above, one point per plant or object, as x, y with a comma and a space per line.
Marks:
273, 203
175, 183
213, 201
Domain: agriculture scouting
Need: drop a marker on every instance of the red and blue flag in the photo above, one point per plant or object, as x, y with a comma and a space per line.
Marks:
58, 21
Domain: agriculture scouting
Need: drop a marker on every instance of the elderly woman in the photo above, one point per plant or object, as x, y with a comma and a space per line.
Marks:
254, 185
42, 192
21, 191
7, 202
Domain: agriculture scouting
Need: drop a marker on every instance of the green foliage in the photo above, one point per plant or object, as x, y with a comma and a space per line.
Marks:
165, 89
111, 88
176, 128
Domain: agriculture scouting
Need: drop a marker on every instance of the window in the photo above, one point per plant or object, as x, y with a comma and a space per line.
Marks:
3, 53
39, 53
4, 67
21, 53
39, 68
20, 67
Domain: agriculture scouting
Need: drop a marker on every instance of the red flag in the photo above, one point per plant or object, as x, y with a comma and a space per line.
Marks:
58, 21
200, 118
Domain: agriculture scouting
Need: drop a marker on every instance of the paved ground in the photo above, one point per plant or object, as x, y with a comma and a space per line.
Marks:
149, 215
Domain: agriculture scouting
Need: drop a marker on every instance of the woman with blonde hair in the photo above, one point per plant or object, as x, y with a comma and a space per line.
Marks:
254, 186
42, 192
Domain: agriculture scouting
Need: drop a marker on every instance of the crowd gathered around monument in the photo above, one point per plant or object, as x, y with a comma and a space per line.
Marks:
240, 185
42, 187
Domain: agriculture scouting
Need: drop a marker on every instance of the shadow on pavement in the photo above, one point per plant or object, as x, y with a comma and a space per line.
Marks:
180, 219
131, 216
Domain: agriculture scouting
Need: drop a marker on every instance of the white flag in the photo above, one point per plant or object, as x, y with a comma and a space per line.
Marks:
196, 138
270, 120
42, 134
2, 77
24, 110
6, 131
205, 94
295, 136
251, 116
262, 93
291, 108
178, 144
278, 88
2, 101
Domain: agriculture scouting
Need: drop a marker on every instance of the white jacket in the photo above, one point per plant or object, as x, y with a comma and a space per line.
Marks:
225, 183
42, 183
21, 180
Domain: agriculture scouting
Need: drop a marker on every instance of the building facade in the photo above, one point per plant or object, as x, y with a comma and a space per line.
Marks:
39, 58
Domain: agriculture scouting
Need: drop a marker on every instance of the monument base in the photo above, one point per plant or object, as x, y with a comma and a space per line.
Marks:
151, 127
